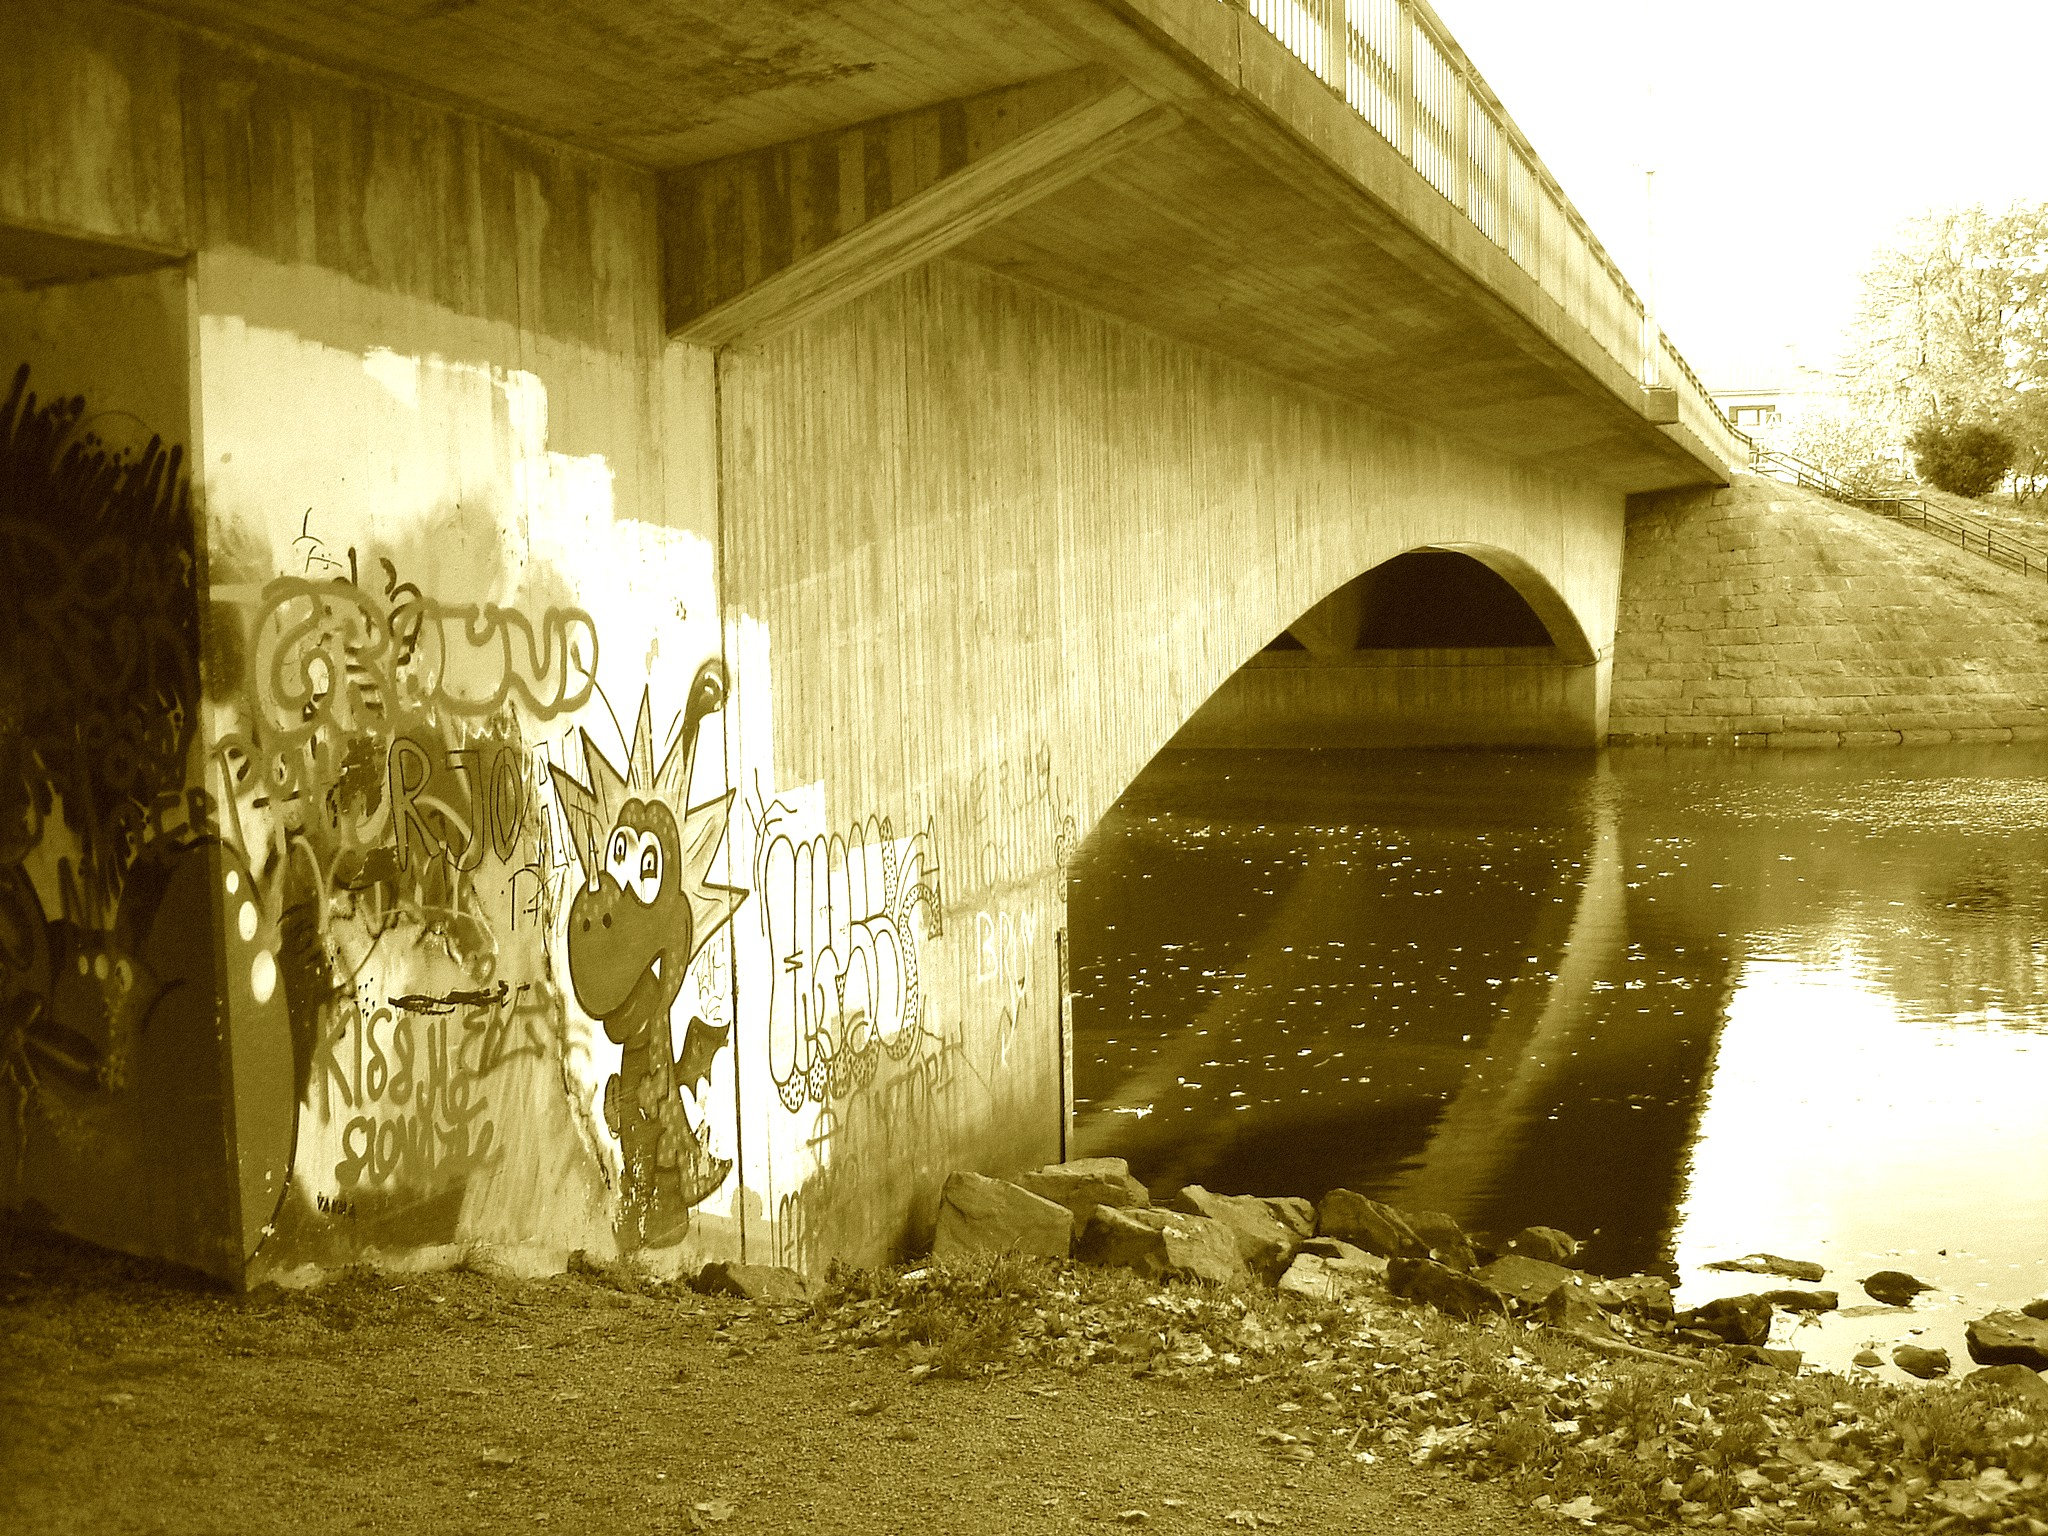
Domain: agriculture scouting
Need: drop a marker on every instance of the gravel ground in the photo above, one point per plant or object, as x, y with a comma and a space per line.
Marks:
131, 1400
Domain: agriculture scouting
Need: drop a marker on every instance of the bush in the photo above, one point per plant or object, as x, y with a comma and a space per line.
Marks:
1965, 460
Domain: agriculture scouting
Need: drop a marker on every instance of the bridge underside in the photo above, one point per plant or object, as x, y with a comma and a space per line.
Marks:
594, 765
1434, 648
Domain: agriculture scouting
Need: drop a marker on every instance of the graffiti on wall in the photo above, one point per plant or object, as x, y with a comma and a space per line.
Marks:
359, 860
385, 768
1017, 808
645, 908
373, 773
102, 846
1003, 946
844, 917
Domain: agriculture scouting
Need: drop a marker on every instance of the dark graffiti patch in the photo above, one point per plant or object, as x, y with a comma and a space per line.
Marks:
99, 639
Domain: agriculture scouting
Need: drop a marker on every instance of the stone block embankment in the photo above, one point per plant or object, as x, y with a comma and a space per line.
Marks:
1765, 615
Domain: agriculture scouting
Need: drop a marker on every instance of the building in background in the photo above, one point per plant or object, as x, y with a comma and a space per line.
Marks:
1772, 390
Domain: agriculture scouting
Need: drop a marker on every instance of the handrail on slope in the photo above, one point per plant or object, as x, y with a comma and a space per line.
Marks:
1969, 533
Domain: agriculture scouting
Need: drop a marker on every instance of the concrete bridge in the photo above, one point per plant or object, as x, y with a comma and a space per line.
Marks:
693, 511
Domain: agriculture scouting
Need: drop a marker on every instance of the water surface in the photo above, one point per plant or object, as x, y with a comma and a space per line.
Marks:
1686, 1005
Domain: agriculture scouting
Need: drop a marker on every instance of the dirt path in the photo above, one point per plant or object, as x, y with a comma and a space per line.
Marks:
454, 1403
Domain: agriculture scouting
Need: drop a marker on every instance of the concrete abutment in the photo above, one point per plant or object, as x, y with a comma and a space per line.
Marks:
1766, 615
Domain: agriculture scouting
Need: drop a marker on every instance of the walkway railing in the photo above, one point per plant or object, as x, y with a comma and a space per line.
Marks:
1961, 530
1399, 68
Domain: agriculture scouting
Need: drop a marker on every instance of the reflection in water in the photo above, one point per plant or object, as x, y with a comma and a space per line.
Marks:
1688, 1005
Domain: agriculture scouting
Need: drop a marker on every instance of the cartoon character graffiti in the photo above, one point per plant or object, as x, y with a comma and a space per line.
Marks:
645, 908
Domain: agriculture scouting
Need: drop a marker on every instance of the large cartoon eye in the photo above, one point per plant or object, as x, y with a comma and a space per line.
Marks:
646, 884
620, 856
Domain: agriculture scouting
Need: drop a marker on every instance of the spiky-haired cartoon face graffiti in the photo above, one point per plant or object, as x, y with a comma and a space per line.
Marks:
645, 908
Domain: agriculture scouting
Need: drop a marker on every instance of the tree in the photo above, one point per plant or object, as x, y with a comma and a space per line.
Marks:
1953, 329
1852, 445
1965, 461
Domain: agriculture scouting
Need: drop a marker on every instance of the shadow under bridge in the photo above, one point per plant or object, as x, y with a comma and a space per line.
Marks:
1442, 645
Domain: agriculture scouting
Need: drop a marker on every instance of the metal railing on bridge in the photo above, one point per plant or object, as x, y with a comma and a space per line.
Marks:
1965, 532
1398, 67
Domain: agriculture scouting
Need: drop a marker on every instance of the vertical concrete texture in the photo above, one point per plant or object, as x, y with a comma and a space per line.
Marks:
1472, 696
611, 797
986, 551
1766, 615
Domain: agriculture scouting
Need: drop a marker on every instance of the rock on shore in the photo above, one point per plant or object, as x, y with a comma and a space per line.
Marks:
1771, 1264
1894, 1287
1162, 1245
980, 1215
1352, 1247
2009, 1338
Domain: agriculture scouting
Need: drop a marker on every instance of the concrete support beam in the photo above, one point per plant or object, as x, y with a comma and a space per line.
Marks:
759, 242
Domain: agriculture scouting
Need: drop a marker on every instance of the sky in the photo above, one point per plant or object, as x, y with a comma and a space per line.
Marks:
1790, 139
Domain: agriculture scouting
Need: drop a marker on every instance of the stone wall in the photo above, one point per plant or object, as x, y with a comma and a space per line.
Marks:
1765, 615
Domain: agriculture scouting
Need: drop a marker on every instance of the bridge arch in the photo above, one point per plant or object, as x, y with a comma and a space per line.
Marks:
1562, 625
1449, 643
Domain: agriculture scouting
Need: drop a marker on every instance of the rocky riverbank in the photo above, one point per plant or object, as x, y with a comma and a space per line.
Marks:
1351, 1246
1223, 1362
1405, 1337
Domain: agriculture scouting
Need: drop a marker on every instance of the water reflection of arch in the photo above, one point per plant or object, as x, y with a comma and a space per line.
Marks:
1583, 1112
1576, 1102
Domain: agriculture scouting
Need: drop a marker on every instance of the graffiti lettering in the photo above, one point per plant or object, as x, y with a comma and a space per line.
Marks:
471, 659
416, 1079
1015, 810
99, 694
1003, 947
329, 664
495, 797
841, 916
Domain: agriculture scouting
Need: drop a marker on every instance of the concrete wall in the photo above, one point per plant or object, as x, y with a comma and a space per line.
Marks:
457, 515
628, 802
986, 551
1525, 696
1766, 615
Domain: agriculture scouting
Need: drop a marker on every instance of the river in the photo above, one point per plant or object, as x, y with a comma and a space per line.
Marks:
1687, 1005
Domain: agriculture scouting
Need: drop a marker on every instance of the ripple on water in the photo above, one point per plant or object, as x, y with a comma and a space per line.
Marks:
1684, 1004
